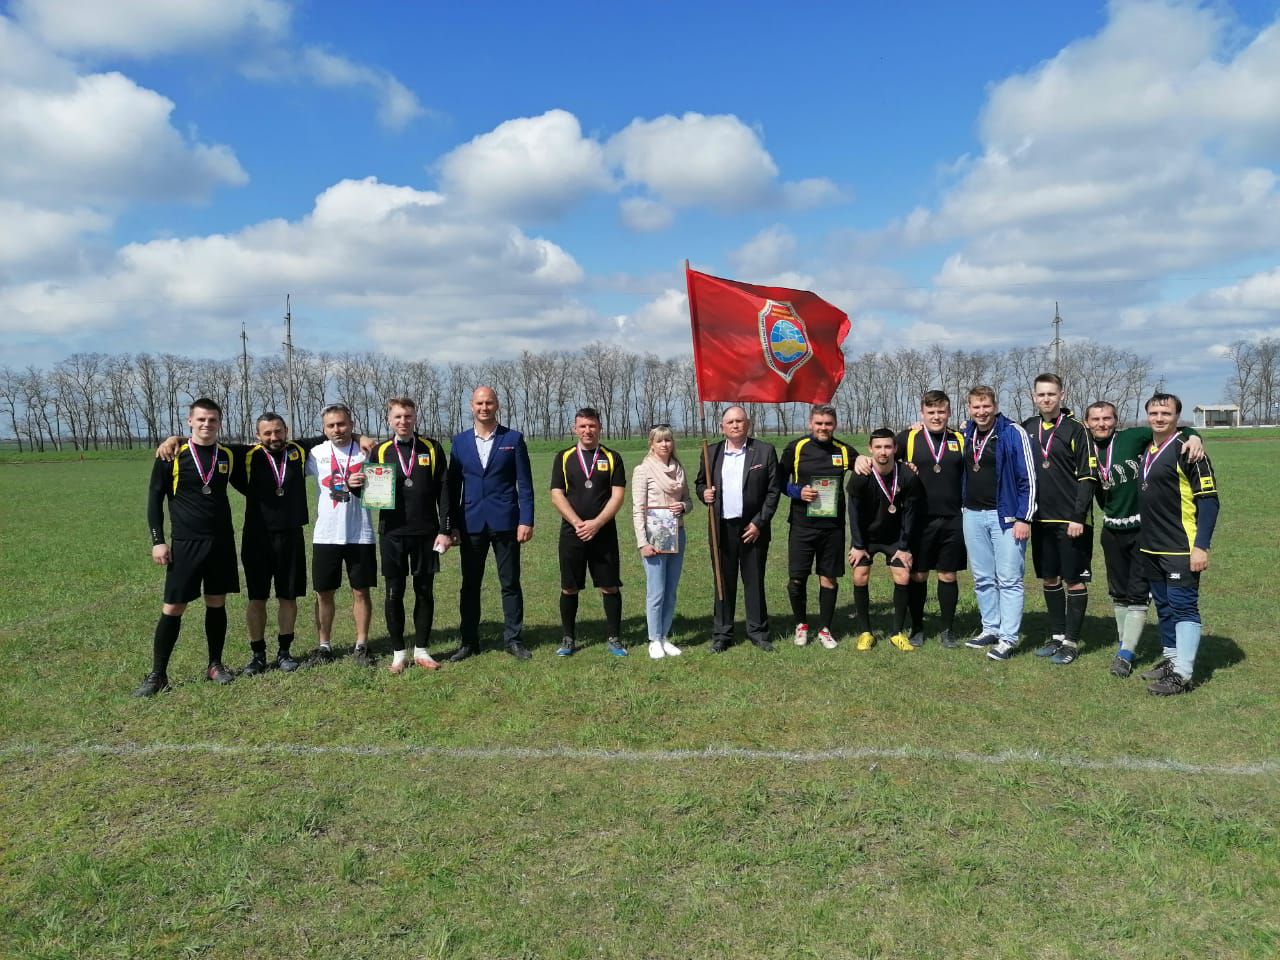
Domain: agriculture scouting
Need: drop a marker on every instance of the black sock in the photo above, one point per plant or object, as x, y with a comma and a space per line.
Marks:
1077, 603
948, 597
284, 641
215, 631
1055, 601
900, 591
393, 608
797, 592
613, 613
826, 607
259, 648
862, 609
424, 614
569, 614
917, 592
166, 639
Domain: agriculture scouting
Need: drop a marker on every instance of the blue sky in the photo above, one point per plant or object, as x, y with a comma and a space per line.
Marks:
425, 177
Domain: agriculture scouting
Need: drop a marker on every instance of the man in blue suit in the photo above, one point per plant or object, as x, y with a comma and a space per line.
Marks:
492, 487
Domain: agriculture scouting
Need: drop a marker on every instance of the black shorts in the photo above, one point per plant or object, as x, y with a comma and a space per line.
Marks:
409, 557
884, 550
198, 567
940, 547
815, 548
599, 555
327, 560
1126, 571
1173, 568
274, 556
1054, 554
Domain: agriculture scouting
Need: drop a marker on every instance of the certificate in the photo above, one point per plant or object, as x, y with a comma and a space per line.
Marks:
662, 529
379, 486
828, 502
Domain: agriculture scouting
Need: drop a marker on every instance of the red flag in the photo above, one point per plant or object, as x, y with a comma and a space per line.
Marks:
764, 344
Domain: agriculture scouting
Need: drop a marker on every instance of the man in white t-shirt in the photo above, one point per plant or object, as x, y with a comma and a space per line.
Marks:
342, 534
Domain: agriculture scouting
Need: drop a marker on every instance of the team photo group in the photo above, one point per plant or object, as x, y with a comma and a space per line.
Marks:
958, 489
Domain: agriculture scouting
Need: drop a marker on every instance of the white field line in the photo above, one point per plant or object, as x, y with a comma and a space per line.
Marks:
834, 755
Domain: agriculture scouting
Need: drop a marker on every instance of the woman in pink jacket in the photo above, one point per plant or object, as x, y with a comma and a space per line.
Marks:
660, 499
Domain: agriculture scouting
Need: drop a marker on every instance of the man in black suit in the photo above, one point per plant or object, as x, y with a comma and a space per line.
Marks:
743, 495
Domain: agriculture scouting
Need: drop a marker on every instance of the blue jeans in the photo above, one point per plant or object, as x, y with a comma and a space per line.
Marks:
997, 561
661, 577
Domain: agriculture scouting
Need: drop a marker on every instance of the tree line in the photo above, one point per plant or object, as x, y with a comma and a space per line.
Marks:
1254, 384
90, 401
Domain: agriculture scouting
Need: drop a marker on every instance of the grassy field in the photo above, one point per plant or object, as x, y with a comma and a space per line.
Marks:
800, 804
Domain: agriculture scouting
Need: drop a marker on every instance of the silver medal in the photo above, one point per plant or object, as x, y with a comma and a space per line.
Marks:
587, 484
206, 489
937, 468
408, 481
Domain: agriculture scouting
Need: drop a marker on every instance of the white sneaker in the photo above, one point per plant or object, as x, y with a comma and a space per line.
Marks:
826, 639
802, 634
655, 650
670, 649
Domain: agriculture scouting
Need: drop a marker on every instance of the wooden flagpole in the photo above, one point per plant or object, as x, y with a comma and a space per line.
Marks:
713, 528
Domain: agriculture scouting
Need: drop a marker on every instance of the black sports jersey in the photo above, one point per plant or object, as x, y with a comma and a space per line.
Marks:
807, 458
944, 450
422, 488
1064, 488
980, 487
605, 471
1167, 498
869, 518
256, 478
193, 515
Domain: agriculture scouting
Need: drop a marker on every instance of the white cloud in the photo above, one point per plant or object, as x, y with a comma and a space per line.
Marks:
660, 326
104, 140
38, 238
528, 167
766, 254
644, 215
143, 28
811, 193
397, 104
429, 282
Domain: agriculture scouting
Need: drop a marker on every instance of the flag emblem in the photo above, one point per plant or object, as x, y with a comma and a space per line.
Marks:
784, 339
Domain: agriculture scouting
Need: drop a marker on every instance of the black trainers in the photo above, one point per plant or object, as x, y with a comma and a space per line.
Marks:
361, 656
286, 662
1120, 667
946, 639
1049, 649
1067, 653
320, 656
1170, 686
257, 665
916, 639
152, 684
219, 674
1160, 671
982, 642
765, 645
519, 650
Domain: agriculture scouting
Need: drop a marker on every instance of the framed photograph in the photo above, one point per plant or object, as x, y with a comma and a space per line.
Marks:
662, 529
828, 502
379, 486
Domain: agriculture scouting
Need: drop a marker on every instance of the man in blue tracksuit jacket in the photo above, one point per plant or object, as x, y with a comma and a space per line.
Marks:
492, 486
999, 499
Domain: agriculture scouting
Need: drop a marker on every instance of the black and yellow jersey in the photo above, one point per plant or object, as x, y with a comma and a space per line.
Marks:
807, 458
1066, 468
606, 469
945, 451
193, 514
1168, 496
422, 488
258, 480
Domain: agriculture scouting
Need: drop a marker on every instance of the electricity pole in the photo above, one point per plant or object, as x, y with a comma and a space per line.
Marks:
245, 413
288, 363
1057, 340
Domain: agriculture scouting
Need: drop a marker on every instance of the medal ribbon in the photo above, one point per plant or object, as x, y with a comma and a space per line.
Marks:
406, 467
1040, 435
345, 473
284, 468
204, 477
583, 463
885, 490
1106, 467
979, 447
942, 446
1150, 459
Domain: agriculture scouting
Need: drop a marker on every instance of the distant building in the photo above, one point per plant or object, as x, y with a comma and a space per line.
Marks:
1217, 415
